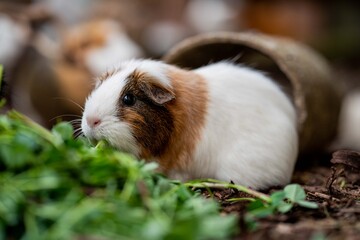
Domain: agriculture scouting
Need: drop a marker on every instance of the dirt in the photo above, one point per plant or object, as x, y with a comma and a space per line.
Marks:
332, 181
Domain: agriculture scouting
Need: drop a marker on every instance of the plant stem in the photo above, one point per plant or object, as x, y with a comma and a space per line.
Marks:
38, 129
240, 199
212, 183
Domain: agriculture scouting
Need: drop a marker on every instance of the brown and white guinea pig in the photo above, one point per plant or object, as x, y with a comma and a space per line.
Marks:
221, 121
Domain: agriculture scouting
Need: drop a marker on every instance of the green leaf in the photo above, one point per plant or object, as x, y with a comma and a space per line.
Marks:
2, 104
307, 204
212, 226
37, 179
150, 166
284, 207
55, 187
255, 205
2, 231
294, 192
64, 130
262, 212
251, 223
277, 198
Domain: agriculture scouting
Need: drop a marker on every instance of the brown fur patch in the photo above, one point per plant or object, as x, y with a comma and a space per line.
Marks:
189, 111
168, 132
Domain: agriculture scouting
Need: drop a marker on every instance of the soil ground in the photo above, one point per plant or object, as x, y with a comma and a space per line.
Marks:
333, 182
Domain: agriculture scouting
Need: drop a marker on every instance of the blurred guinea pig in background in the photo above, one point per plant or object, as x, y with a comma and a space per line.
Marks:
98, 45
58, 74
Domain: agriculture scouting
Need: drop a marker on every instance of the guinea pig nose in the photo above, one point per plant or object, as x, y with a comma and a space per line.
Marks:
93, 121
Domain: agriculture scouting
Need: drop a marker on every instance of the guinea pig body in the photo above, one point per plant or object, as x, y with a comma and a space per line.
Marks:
221, 121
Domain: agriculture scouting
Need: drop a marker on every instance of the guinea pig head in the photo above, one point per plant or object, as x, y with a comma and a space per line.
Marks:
128, 108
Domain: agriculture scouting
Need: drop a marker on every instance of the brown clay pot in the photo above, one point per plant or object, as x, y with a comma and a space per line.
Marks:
301, 72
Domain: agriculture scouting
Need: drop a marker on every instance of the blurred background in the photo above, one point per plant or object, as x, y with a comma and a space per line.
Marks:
53, 49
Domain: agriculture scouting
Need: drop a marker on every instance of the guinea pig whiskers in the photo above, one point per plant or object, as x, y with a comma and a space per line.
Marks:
76, 104
65, 115
76, 123
77, 130
236, 58
76, 120
78, 133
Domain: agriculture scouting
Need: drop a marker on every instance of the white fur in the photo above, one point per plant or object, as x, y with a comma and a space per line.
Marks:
103, 104
250, 136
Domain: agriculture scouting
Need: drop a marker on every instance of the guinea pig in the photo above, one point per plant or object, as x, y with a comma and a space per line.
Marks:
222, 121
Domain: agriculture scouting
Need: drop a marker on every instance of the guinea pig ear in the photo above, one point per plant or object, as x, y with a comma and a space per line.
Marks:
157, 93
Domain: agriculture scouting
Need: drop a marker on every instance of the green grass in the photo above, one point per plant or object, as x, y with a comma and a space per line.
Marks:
53, 186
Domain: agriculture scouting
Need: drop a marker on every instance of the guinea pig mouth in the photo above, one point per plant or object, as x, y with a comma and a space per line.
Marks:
117, 134
90, 135
91, 138
95, 141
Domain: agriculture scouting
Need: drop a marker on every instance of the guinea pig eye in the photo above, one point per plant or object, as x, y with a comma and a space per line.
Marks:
129, 99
